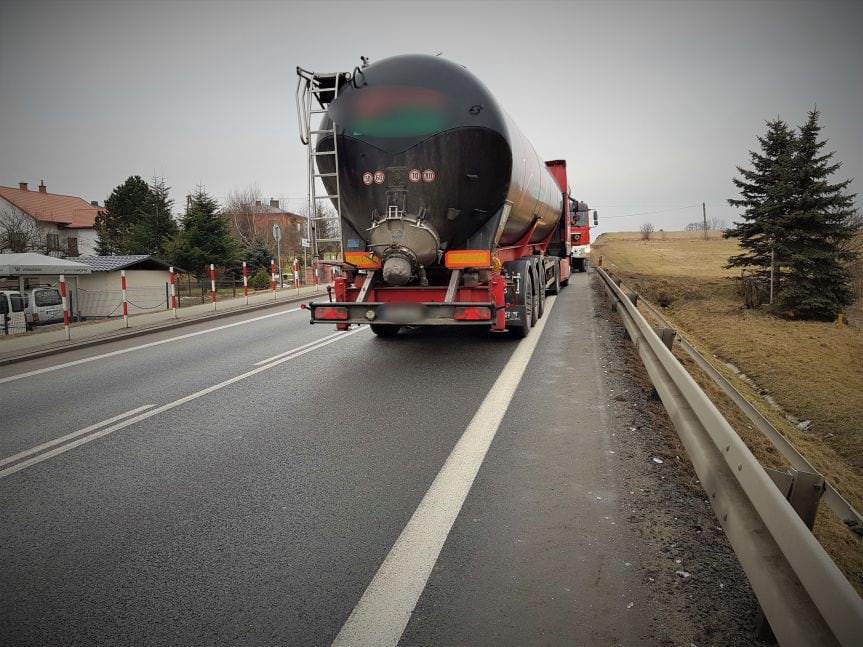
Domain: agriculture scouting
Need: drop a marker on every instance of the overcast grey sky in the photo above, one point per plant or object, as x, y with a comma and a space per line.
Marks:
651, 103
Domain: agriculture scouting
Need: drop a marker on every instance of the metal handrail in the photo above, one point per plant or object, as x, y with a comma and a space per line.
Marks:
804, 595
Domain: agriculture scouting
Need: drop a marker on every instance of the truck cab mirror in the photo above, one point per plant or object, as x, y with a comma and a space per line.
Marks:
595, 217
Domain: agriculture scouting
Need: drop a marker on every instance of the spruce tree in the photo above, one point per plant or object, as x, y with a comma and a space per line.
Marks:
122, 210
155, 225
819, 226
204, 238
766, 193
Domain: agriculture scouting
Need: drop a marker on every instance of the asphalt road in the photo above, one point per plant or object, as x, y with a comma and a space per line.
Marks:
252, 502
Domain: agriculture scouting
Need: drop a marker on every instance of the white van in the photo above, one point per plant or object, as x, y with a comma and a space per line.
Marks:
44, 306
13, 315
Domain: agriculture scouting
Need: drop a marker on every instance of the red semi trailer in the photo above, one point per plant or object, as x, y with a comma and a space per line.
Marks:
446, 214
508, 291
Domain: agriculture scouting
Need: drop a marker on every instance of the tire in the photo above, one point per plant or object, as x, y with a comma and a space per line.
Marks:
385, 330
539, 285
555, 288
520, 332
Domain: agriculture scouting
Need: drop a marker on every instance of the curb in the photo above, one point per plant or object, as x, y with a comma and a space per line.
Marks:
128, 334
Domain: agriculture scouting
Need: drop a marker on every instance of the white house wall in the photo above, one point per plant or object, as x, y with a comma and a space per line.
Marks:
100, 294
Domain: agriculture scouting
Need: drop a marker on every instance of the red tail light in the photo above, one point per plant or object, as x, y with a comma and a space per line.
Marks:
472, 313
335, 313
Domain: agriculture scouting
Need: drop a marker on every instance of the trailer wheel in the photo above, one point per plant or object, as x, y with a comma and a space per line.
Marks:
522, 331
539, 285
385, 330
555, 287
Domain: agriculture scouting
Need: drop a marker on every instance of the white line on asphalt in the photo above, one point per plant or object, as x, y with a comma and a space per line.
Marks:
294, 350
382, 613
74, 434
167, 407
123, 351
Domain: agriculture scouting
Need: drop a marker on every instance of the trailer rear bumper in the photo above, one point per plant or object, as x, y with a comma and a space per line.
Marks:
427, 313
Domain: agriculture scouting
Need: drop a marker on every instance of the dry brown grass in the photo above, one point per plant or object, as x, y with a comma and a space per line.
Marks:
814, 370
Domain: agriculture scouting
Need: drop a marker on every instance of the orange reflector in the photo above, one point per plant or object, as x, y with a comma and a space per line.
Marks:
457, 259
331, 312
363, 260
472, 313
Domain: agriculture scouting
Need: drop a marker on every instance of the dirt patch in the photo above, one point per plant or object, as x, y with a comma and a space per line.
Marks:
689, 565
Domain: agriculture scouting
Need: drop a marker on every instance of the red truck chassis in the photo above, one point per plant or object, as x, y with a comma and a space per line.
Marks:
507, 292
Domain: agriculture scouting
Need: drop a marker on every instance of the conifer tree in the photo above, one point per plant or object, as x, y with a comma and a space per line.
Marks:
204, 238
766, 192
155, 225
819, 226
122, 209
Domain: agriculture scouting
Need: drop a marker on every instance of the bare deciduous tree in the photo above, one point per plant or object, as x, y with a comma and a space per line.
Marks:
240, 209
646, 230
20, 233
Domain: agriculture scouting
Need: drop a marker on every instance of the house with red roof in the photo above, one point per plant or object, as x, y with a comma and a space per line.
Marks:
66, 223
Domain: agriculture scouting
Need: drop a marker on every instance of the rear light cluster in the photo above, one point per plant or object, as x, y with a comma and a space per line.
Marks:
333, 313
472, 313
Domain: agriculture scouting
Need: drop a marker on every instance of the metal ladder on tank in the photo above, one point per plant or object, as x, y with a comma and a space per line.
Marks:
310, 87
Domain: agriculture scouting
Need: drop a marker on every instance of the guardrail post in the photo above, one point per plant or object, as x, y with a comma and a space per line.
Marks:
633, 296
803, 491
667, 335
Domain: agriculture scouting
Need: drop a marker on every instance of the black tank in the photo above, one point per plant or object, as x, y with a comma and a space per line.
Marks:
421, 139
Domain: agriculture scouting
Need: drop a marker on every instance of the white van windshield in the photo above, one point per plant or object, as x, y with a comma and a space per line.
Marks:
47, 298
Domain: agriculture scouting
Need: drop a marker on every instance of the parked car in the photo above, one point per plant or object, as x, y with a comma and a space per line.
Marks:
44, 306
13, 315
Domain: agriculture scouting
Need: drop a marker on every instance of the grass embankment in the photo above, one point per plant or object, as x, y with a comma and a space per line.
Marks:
813, 370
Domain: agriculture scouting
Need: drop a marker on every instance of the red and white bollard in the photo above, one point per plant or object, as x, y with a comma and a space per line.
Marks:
65, 307
296, 268
213, 284
125, 302
245, 284
273, 274
173, 279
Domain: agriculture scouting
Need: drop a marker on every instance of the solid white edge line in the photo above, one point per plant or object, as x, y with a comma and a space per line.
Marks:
123, 351
294, 350
380, 617
167, 407
74, 434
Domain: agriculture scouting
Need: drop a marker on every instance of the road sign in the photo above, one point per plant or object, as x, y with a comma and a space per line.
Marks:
306, 242
277, 232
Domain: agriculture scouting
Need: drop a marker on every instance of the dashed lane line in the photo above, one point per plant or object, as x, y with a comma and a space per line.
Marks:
123, 351
104, 431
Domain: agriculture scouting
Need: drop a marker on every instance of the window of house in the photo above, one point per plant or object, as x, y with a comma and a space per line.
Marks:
52, 242
71, 246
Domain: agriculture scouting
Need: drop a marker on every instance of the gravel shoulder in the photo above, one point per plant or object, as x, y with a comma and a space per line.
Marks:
689, 569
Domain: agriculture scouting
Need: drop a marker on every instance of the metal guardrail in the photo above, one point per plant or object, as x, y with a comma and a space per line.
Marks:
802, 592
835, 501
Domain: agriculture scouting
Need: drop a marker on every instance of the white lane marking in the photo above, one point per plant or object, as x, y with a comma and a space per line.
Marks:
385, 608
74, 434
294, 350
123, 351
167, 407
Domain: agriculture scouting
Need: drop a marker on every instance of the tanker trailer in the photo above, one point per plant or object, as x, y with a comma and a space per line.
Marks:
447, 214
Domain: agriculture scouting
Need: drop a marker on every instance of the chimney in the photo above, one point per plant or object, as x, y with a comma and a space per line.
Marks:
274, 203
23, 186
257, 203
42, 187
94, 203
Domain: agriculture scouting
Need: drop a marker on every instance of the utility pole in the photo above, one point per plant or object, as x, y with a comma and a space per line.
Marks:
704, 215
772, 266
